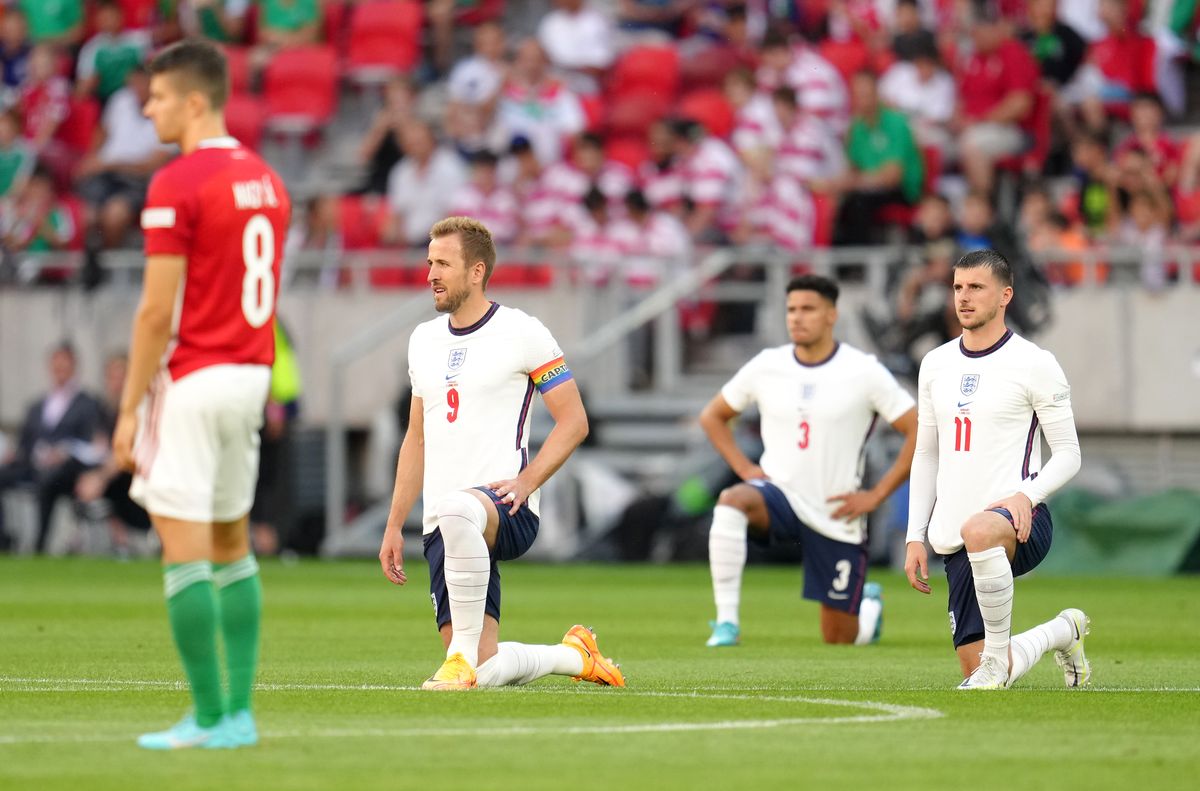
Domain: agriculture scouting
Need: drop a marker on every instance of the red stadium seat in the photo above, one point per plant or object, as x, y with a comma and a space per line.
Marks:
632, 152
825, 212
139, 14
633, 114
360, 220
708, 68
301, 88
78, 130
593, 111
385, 39
711, 109
847, 57
245, 119
337, 15
650, 71
238, 64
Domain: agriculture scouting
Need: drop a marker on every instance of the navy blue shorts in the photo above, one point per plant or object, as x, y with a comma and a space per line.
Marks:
834, 571
966, 622
513, 539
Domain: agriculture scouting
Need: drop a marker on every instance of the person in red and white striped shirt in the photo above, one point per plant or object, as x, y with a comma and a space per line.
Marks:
483, 198
712, 180
819, 86
808, 151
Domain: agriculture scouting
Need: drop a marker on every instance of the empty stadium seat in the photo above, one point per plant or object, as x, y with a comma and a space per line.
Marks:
245, 118
707, 69
650, 71
237, 61
847, 57
385, 39
632, 152
360, 221
711, 109
300, 87
633, 114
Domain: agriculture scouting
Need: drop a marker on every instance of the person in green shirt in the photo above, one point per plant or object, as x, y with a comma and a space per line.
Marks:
108, 57
223, 21
58, 22
17, 158
885, 165
289, 23
37, 221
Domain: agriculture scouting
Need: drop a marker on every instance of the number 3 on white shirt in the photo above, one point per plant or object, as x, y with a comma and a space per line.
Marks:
258, 285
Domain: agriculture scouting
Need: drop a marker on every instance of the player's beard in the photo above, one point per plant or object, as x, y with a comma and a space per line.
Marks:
979, 319
454, 300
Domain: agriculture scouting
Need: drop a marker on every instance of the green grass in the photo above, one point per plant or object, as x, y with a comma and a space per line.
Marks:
80, 639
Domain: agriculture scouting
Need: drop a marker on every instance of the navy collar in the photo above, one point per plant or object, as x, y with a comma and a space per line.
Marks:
836, 345
985, 352
484, 320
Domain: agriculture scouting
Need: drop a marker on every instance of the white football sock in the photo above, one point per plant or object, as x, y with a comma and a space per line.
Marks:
462, 519
868, 615
1029, 647
517, 663
727, 559
994, 591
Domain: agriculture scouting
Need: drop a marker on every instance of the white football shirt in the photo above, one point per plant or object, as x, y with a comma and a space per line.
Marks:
987, 407
815, 421
477, 385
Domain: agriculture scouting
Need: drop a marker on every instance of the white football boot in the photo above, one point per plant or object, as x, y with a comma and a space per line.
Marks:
1076, 670
989, 675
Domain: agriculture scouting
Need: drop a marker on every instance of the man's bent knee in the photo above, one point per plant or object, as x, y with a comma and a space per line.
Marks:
740, 496
986, 530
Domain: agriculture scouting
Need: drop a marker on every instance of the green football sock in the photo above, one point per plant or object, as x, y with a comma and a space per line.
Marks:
192, 610
240, 592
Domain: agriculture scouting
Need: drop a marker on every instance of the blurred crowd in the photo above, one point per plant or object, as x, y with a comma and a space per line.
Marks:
628, 133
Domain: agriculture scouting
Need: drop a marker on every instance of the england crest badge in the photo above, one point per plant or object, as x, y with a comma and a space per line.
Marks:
457, 358
970, 383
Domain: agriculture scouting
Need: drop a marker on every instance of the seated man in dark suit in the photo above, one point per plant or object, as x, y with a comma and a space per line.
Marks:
56, 443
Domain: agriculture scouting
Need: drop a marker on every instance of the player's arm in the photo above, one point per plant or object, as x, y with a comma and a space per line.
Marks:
570, 428
922, 487
855, 504
715, 420
410, 477
151, 334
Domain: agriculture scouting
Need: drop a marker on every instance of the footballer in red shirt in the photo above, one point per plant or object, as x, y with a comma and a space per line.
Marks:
215, 221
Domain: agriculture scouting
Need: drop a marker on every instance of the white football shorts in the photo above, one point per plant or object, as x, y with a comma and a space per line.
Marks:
197, 443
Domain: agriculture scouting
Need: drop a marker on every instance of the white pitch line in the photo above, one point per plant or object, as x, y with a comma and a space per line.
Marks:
885, 712
26, 684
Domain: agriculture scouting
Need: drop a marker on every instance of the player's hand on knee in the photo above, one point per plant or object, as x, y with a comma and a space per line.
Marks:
513, 493
391, 556
751, 473
1021, 508
854, 504
916, 561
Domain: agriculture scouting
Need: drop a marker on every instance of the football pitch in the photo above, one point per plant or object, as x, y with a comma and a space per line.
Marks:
86, 664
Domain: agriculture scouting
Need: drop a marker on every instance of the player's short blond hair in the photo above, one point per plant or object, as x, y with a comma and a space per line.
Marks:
476, 240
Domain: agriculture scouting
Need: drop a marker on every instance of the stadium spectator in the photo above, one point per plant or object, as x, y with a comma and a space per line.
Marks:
1188, 191
925, 92
650, 241
14, 53
808, 150
711, 180
474, 89
485, 199
448, 17
114, 177
819, 87
1175, 42
1118, 66
886, 166
780, 211
289, 23
17, 158
103, 491
587, 234
756, 131
980, 229
997, 88
661, 180
420, 186
55, 443
1057, 233
536, 106
1165, 153
909, 34
108, 56
45, 100
1145, 229
578, 40
380, 148
223, 21
1093, 173
658, 19
523, 173
1058, 49
37, 220
58, 22
317, 230
1083, 16
568, 181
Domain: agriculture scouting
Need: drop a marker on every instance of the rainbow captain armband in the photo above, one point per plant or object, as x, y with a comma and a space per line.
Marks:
551, 375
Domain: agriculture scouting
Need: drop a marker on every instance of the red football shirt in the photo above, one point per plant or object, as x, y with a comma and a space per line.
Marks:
227, 212
988, 78
1127, 59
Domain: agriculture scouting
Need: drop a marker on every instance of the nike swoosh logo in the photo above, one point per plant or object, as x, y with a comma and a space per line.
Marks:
450, 376
962, 404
